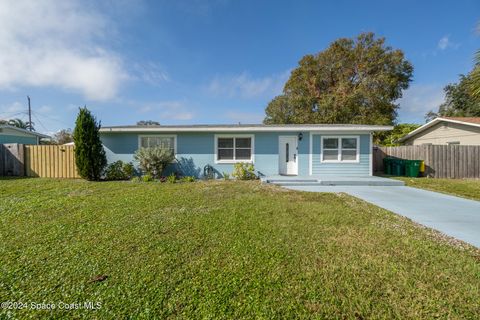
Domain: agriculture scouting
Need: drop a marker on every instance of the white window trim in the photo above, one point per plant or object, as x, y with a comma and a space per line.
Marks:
215, 151
339, 158
370, 148
174, 136
310, 154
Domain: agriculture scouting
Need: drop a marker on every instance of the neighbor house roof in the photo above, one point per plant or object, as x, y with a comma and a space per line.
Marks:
475, 120
247, 127
33, 133
469, 121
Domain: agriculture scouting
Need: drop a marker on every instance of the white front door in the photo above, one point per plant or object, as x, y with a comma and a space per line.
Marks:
287, 157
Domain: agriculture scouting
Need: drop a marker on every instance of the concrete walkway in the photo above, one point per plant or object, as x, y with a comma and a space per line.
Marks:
454, 216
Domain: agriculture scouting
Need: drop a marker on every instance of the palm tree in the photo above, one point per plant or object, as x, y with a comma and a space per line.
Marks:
475, 77
19, 123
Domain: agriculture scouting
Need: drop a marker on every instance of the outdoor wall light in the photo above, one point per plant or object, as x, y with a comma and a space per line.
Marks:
300, 136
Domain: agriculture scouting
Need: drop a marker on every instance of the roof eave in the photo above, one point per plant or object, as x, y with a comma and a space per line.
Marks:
245, 129
432, 123
39, 135
460, 122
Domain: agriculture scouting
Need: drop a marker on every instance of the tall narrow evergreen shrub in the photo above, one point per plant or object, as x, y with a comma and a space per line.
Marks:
89, 154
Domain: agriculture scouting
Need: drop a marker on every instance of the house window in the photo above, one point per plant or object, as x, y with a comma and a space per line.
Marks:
340, 149
330, 149
231, 149
164, 142
349, 149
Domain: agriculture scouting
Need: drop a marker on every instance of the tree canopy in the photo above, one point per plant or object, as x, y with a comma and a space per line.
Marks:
63, 136
390, 138
475, 78
19, 123
459, 101
352, 81
148, 123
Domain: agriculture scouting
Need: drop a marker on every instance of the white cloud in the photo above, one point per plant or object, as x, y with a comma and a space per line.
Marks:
445, 43
12, 108
150, 73
57, 44
167, 110
418, 100
245, 86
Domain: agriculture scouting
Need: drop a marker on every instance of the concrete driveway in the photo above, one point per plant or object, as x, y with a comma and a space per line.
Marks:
454, 216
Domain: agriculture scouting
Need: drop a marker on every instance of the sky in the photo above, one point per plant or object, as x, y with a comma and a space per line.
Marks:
208, 62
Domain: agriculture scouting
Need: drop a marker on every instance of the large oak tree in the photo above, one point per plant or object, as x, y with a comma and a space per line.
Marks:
352, 81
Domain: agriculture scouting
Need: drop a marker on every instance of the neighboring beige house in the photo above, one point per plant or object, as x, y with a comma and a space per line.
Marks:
446, 131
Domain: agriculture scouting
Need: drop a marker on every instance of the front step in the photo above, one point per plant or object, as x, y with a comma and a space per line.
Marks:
361, 183
334, 182
288, 183
276, 181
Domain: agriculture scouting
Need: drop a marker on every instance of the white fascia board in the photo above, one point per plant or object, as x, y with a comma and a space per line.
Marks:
460, 122
251, 129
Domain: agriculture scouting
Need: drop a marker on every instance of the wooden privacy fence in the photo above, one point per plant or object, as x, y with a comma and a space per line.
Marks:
50, 161
47, 161
441, 161
11, 160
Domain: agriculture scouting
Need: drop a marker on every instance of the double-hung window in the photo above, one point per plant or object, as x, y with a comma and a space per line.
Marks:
230, 149
340, 149
162, 141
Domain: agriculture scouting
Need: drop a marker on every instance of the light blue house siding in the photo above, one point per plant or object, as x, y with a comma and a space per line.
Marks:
361, 168
4, 138
195, 150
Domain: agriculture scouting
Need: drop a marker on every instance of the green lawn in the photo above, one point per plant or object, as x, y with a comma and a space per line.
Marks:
467, 188
223, 250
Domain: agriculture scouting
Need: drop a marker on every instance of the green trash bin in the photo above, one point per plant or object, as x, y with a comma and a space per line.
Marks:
387, 165
398, 167
412, 168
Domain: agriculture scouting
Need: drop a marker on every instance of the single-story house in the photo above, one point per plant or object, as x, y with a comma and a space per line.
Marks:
312, 149
11, 134
446, 131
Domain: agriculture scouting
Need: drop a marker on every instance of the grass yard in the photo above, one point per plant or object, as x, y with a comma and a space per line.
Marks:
466, 188
222, 250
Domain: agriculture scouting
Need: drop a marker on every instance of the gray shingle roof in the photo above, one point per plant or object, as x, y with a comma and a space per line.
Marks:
245, 127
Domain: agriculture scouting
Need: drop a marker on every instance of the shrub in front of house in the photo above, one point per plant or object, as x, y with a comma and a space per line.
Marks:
244, 171
188, 179
172, 178
226, 175
119, 170
153, 161
147, 178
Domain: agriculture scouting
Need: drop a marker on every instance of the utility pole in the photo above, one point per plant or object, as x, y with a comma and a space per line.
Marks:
29, 115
